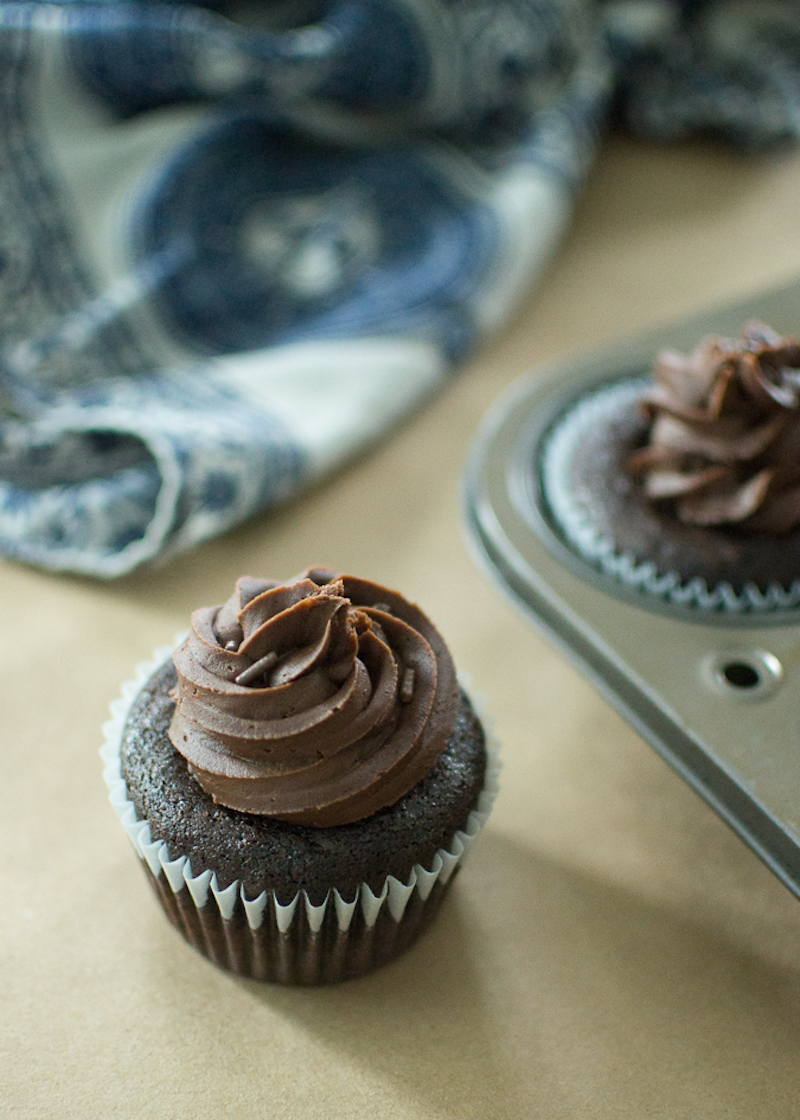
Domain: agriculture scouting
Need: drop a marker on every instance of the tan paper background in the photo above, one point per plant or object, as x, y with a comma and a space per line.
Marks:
611, 950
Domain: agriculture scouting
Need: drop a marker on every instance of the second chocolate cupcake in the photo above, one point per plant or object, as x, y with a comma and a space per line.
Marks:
686, 486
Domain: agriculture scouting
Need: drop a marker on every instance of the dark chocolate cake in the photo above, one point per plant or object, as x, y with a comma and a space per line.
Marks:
268, 854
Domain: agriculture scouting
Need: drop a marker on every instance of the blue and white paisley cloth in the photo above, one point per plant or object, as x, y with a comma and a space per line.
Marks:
239, 240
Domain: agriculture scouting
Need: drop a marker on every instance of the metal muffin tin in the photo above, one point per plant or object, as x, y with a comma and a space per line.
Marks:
716, 694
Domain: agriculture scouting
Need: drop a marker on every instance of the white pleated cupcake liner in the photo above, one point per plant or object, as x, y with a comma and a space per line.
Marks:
579, 530
172, 872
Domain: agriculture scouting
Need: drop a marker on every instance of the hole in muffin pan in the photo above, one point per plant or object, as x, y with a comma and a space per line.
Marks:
743, 674
685, 676
739, 674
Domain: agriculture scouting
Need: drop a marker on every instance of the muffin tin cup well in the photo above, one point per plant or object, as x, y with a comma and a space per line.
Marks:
296, 942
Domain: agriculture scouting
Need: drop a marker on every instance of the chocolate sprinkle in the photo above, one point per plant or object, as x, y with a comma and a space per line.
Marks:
407, 686
257, 669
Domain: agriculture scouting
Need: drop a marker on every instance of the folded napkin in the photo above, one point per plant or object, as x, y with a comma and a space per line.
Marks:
238, 241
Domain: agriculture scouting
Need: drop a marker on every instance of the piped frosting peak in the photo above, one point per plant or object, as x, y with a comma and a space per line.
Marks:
724, 435
318, 701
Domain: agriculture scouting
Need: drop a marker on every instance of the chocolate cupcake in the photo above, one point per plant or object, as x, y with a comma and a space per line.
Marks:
686, 485
301, 777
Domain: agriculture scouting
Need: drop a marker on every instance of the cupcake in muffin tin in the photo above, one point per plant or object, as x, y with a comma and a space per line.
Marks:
301, 777
686, 485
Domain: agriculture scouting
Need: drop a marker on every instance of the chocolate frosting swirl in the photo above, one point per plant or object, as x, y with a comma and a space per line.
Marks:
724, 438
318, 701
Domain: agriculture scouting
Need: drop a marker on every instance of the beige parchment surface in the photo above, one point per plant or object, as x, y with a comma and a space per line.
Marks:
611, 950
